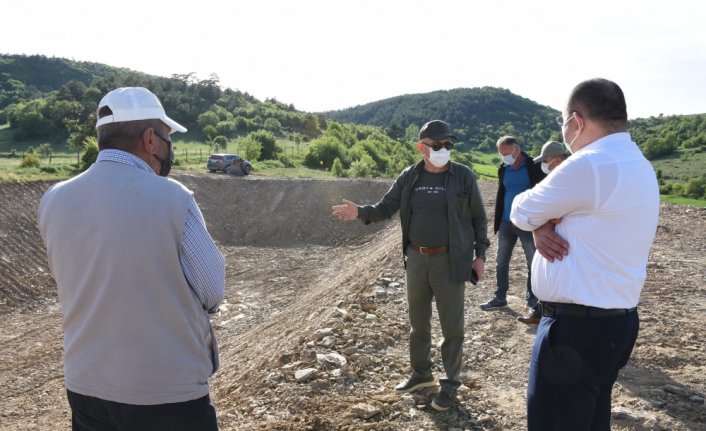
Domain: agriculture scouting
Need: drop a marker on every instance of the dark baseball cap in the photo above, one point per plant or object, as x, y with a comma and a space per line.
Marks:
436, 130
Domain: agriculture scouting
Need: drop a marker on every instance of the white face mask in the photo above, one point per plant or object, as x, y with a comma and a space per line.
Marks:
509, 159
545, 167
439, 158
568, 145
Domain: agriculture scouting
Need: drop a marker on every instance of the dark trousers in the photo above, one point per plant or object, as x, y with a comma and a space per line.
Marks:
95, 414
575, 362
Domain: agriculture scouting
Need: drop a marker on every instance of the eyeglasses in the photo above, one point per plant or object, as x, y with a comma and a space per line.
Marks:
436, 146
169, 142
560, 119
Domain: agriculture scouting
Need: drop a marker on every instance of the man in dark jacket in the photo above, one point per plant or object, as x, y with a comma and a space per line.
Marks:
443, 226
516, 174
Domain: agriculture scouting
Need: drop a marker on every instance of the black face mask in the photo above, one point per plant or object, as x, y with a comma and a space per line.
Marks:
165, 165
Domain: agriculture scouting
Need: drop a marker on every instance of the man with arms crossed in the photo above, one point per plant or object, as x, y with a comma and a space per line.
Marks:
137, 274
594, 220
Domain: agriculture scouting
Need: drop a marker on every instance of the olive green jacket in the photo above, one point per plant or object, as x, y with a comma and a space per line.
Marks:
468, 229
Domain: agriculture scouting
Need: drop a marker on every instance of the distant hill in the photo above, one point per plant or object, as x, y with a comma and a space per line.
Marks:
478, 115
50, 73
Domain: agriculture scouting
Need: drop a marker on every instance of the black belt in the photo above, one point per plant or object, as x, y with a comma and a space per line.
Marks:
550, 309
428, 251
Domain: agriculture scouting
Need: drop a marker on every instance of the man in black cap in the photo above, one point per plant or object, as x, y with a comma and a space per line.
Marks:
444, 239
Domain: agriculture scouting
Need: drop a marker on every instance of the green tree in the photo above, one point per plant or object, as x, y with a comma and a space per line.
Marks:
658, 147
91, 152
696, 188
208, 118
268, 143
272, 125
250, 148
76, 142
219, 144
226, 128
323, 151
210, 131
395, 132
365, 167
297, 138
311, 124
45, 150
337, 168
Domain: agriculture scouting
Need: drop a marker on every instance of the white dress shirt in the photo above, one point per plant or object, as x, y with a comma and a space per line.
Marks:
607, 198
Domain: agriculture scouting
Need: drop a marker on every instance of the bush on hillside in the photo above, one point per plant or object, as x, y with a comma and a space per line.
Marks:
30, 160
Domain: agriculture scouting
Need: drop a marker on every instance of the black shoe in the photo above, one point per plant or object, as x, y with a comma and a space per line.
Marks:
414, 382
493, 304
443, 401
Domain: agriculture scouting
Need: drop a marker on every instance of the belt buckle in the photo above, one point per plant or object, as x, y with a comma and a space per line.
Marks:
546, 309
422, 250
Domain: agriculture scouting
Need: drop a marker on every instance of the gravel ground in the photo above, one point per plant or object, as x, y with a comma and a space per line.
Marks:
313, 331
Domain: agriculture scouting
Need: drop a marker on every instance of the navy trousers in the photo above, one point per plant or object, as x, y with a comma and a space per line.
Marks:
95, 414
575, 362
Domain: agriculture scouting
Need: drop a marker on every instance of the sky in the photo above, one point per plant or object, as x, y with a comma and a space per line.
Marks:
325, 55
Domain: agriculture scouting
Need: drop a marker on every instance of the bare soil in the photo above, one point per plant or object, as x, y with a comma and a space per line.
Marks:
314, 332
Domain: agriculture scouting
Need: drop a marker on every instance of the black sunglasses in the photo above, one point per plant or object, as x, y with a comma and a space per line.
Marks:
436, 146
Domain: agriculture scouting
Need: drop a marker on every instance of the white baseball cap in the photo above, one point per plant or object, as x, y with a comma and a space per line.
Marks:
133, 104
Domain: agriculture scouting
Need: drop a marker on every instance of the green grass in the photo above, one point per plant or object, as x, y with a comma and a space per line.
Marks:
297, 172
699, 203
486, 172
681, 165
485, 165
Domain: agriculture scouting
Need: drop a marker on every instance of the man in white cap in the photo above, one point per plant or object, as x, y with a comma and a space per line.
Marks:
137, 275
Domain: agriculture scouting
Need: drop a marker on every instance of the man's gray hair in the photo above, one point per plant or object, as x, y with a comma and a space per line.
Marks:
507, 140
124, 135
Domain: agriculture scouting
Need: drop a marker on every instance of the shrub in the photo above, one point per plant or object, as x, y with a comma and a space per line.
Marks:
30, 160
48, 169
269, 164
250, 148
365, 167
695, 188
666, 189
658, 147
337, 168
286, 160
323, 151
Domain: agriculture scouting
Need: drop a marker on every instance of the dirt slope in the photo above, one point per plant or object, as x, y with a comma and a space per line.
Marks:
313, 332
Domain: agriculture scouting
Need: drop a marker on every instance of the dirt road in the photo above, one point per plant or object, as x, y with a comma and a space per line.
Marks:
313, 332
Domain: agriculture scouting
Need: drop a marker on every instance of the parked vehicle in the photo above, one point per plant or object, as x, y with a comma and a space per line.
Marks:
229, 163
